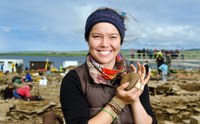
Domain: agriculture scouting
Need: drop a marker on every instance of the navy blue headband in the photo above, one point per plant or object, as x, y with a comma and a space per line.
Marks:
105, 15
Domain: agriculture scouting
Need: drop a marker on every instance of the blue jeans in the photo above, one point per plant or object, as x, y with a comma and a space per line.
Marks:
16, 95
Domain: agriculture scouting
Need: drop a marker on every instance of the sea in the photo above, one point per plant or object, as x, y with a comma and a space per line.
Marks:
57, 60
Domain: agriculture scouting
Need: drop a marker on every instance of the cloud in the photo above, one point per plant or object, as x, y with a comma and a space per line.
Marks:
5, 29
170, 37
59, 25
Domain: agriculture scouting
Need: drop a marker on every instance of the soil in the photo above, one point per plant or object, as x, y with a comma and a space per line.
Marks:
174, 101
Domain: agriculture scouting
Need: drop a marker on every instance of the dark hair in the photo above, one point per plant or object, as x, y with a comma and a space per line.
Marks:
106, 15
31, 86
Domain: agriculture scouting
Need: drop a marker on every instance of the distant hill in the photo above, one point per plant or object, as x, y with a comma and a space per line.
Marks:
194, 49
46, 53
189, 53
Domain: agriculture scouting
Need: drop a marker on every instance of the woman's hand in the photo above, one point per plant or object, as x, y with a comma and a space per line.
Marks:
131, 96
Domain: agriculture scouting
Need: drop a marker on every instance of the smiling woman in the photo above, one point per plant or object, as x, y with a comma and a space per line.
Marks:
104, 44
93, 93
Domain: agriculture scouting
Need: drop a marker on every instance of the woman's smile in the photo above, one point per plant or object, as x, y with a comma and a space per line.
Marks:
104, 44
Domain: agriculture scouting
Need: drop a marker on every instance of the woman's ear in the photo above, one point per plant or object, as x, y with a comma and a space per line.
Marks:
87, 42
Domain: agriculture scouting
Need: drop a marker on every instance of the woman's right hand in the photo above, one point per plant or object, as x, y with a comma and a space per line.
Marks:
128, 97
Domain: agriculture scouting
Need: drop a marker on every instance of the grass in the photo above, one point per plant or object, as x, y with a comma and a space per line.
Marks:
188, 54
47, 53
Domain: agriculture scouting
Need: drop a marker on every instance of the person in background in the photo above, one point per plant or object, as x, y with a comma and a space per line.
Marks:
168, 61
132, 53
19, 68
164, 69
139, 53
28, 77
155, 52
159, 54
19, 81
61, 69
159, 61
2, 65
91, 93
7, 93
143, 53
182, 54
26, 69
13, 67
24, 92
147, 68
150, 54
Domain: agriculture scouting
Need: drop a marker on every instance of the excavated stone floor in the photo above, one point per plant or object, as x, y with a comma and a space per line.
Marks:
176, 101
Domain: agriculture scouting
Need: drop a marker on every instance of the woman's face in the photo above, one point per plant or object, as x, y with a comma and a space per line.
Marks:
104, 44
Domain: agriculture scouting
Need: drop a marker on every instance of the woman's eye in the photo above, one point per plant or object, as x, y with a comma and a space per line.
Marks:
113, 37
96, 36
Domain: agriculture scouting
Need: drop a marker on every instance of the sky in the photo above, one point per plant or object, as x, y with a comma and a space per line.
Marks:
58, 25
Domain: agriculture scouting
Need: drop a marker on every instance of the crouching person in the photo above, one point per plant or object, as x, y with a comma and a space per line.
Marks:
24, 93
7, 93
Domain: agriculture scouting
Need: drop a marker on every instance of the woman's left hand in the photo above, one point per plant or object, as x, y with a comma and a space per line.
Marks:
132, 95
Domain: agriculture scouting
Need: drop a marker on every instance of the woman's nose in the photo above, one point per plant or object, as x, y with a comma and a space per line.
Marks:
105, 41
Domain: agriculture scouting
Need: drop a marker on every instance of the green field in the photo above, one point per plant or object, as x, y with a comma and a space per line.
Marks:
46, 53
189, 54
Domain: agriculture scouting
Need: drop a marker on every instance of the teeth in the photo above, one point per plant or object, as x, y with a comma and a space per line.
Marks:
104, 52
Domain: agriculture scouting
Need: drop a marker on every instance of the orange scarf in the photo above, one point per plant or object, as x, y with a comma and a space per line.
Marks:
110, 74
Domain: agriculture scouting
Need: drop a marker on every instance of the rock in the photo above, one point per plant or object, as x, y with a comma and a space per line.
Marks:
168, 122
186, 121
174, 102
195, 120
171, 111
